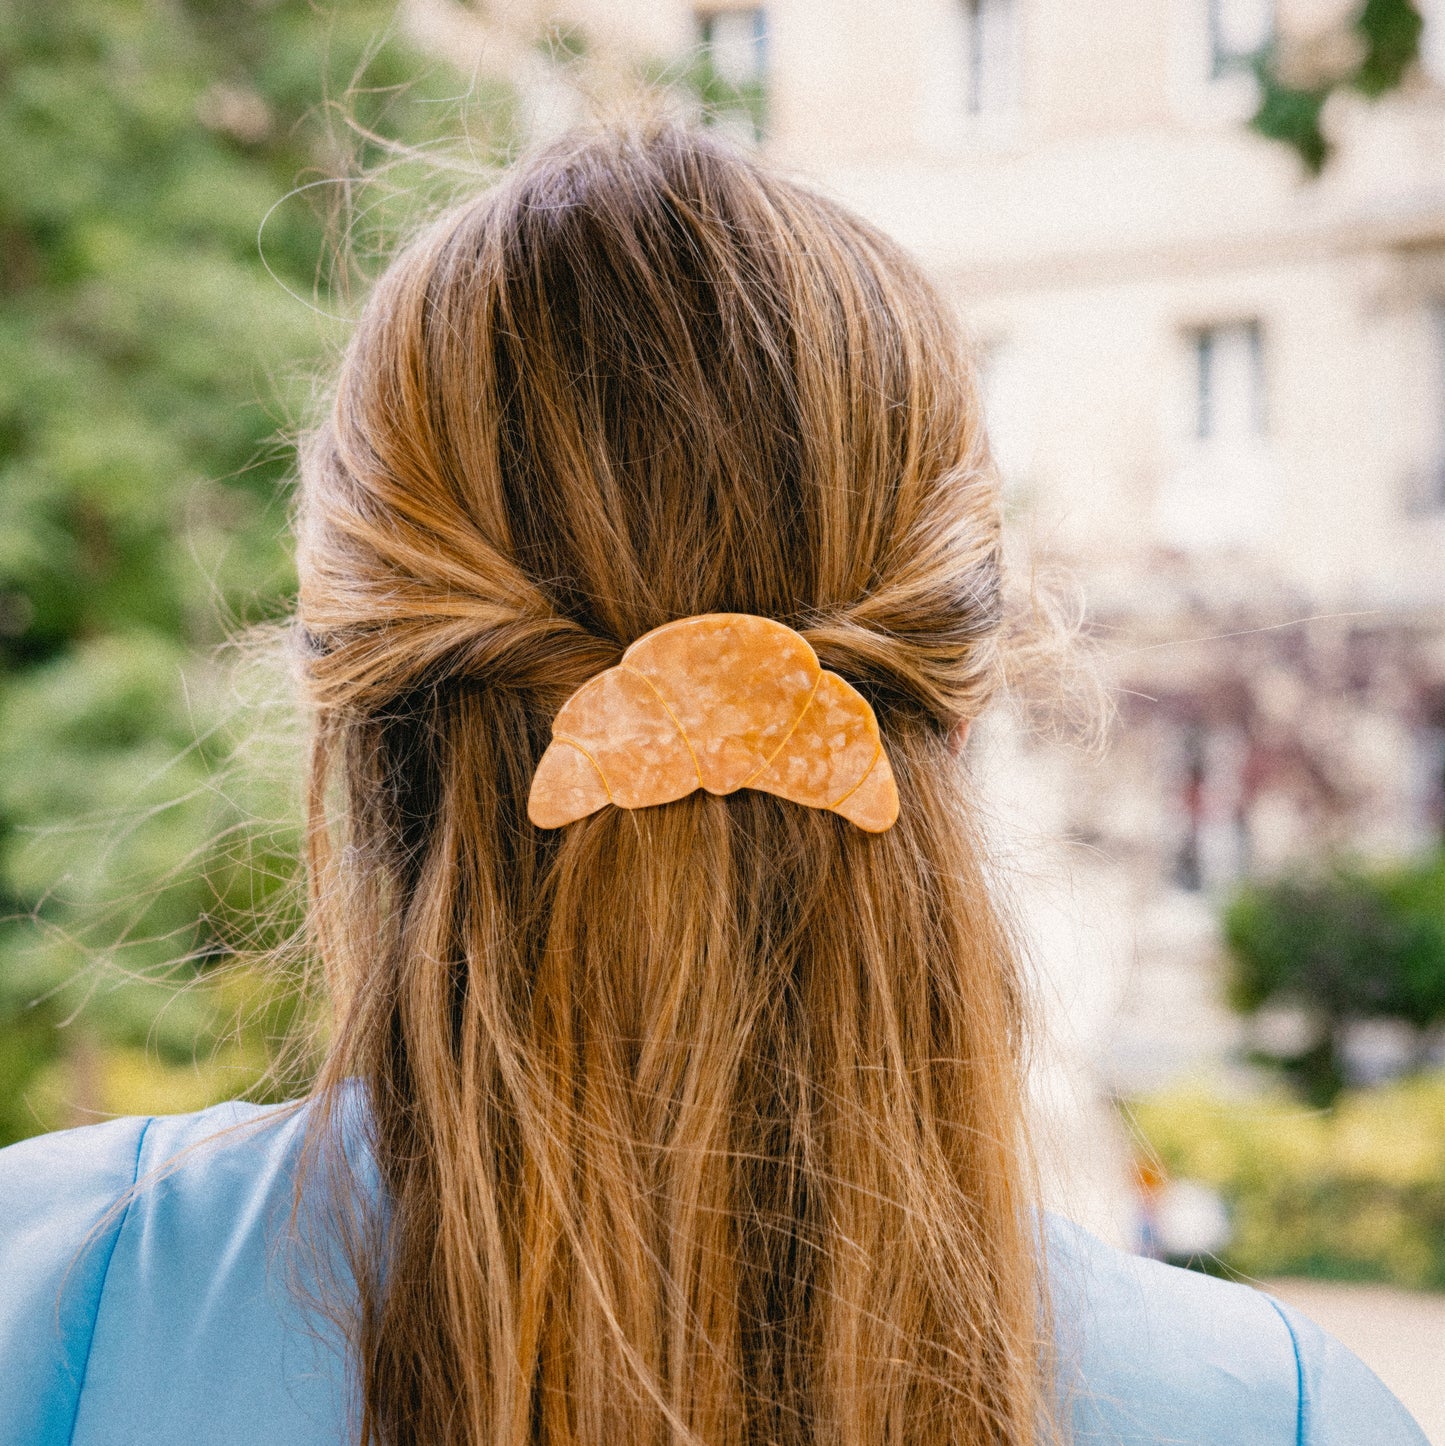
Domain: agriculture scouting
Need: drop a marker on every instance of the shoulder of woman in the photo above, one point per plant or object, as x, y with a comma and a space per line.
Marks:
1150, 1352
76, 1211
59, 1219
1342, 1401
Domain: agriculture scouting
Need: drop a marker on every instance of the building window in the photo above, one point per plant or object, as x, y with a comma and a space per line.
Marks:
733, 78
1213, 846
1432, 39
736, 44
1223, 490
1229, 389
1428, 491
1188, 869
1010, 410
1427, 790
1238, 31
990, 39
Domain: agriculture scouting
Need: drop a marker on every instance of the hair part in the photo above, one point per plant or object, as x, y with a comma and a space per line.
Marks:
700, 1123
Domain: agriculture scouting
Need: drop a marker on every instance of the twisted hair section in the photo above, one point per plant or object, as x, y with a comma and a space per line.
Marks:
700, 1123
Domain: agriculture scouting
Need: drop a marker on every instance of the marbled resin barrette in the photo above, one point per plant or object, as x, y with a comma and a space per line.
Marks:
722, 701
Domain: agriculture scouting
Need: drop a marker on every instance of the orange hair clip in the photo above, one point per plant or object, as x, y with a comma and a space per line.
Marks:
722, 701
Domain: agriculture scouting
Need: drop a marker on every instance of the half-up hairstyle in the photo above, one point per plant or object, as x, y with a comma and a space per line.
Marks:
698, 1123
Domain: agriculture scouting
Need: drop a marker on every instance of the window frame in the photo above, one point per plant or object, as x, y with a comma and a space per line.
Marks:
1205, 341
726, 100
978, 113
1224, 60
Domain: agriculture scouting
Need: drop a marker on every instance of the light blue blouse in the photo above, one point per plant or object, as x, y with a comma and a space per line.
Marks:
165, 1317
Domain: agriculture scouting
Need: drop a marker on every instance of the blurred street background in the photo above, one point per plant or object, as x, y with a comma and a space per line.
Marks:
1200, 248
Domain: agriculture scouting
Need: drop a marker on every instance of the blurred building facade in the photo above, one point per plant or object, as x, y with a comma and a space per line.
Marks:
1216, 389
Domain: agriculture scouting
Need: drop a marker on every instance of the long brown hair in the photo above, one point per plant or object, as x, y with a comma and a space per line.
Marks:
700, 1123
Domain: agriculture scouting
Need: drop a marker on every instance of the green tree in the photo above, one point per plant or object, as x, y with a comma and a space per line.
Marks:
151, 347
1349, 945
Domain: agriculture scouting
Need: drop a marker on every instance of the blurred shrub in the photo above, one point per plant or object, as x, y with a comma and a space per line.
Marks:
1346, 945
1352, 1193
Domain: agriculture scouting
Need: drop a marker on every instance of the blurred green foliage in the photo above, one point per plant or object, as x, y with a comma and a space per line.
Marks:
1345, 945
152, 352
1384, 42
1352, 1193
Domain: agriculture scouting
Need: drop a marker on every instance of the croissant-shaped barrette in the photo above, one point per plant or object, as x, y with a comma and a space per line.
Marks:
721, 701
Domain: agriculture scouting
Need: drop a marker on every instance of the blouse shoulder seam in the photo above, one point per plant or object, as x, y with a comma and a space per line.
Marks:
105, 1274
1301, 1438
